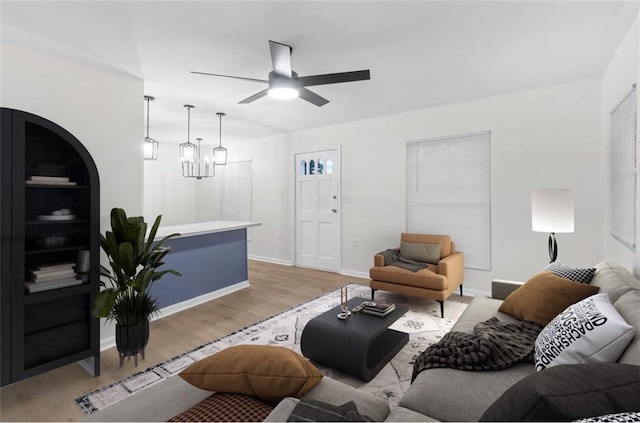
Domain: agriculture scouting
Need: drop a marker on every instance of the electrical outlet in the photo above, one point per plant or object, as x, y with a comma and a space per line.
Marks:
278, 235
354, 243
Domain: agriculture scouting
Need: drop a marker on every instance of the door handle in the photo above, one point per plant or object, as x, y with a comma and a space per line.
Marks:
334, 210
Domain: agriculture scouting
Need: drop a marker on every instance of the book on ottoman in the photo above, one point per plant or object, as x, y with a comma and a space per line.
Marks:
379, 309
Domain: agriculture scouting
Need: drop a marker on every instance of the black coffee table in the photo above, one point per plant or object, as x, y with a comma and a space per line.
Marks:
361, 345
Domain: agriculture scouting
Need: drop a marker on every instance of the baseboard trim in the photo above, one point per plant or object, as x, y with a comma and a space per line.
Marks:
271, 260
473, 292
110, 342
354, 273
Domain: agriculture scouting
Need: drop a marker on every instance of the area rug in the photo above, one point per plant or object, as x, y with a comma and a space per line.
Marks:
422, 322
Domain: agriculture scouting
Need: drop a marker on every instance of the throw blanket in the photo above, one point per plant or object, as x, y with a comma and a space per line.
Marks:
310, 410
494, 346
393, 258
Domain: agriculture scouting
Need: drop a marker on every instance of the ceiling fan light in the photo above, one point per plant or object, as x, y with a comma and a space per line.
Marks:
283, 93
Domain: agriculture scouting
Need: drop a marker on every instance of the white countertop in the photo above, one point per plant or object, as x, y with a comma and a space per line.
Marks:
201, 228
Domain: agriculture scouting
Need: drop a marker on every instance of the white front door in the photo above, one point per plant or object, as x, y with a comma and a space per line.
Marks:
317, 210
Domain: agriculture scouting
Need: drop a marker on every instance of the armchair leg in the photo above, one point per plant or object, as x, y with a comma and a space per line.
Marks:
441, 308
373, 291
461, 290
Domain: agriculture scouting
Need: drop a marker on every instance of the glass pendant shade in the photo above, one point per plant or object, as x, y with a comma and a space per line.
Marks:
220, 156
188, 152
150, 149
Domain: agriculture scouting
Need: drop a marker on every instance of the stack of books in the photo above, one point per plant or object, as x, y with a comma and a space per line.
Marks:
49, 180
379, 308
45, 278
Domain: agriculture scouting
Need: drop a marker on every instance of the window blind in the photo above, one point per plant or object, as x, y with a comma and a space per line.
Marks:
449, 193
623, 171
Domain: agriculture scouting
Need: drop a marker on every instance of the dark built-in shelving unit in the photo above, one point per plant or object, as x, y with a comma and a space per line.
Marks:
45, 330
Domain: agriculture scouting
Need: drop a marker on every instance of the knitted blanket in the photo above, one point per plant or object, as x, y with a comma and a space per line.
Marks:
310, 410
494, 346
392, 257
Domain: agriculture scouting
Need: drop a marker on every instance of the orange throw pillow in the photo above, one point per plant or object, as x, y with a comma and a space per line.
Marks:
267, 372
544, 296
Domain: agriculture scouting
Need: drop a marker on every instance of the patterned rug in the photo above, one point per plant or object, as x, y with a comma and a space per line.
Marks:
422, 322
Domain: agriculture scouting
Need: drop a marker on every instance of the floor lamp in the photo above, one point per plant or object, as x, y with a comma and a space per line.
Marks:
552, 212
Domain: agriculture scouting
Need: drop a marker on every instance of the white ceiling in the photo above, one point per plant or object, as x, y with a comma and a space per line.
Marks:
421, 53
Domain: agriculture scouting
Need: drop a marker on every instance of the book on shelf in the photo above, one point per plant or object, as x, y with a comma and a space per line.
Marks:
379, 309
53, 267
68, 183
49, 180
33, 287
53, 281
40, 275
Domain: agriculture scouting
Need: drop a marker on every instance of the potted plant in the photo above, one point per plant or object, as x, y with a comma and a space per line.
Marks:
134, 263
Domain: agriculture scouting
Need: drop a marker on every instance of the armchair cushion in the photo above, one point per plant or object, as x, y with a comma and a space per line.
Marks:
428, 253
443, 240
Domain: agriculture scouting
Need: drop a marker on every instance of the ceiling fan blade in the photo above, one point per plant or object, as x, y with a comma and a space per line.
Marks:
312, 97
254, 97
333, 78
234, 77
280, 58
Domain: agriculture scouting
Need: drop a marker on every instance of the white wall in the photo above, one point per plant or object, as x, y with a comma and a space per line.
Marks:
100, 108
622, 72
541, 138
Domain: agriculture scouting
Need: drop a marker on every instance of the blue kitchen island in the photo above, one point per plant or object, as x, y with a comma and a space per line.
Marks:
212, 258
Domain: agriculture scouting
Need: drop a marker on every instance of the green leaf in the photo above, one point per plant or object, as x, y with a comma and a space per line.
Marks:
152, 234
103, 304
127, 259
158, 275
118, 223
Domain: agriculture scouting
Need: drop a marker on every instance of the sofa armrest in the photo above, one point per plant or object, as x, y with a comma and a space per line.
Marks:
501, 288
452, 266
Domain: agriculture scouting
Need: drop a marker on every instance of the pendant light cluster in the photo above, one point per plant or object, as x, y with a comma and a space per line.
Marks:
190, 153
150, 145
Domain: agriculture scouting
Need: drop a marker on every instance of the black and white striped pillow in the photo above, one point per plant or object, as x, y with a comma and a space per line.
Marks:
571, 273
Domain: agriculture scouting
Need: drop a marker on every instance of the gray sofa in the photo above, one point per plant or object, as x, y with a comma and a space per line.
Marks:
455, 395
435, 395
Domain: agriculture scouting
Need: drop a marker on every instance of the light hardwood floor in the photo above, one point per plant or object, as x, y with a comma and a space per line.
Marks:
274, 288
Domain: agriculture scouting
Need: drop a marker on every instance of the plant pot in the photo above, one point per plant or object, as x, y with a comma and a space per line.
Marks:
132, 340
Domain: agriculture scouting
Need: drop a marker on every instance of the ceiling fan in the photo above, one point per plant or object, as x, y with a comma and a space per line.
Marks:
284, 83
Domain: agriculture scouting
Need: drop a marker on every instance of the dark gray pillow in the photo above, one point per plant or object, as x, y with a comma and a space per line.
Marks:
583, 275
569, 392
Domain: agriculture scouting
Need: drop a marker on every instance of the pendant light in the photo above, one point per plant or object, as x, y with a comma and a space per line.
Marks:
220, 153
190, 155
150, 145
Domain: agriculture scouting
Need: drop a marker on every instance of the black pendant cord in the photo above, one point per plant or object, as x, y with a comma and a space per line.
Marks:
553, 247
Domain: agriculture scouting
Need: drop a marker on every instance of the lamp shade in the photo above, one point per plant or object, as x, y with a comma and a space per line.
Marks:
552, 210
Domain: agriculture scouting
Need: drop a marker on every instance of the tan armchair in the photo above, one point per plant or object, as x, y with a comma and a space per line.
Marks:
435, 282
